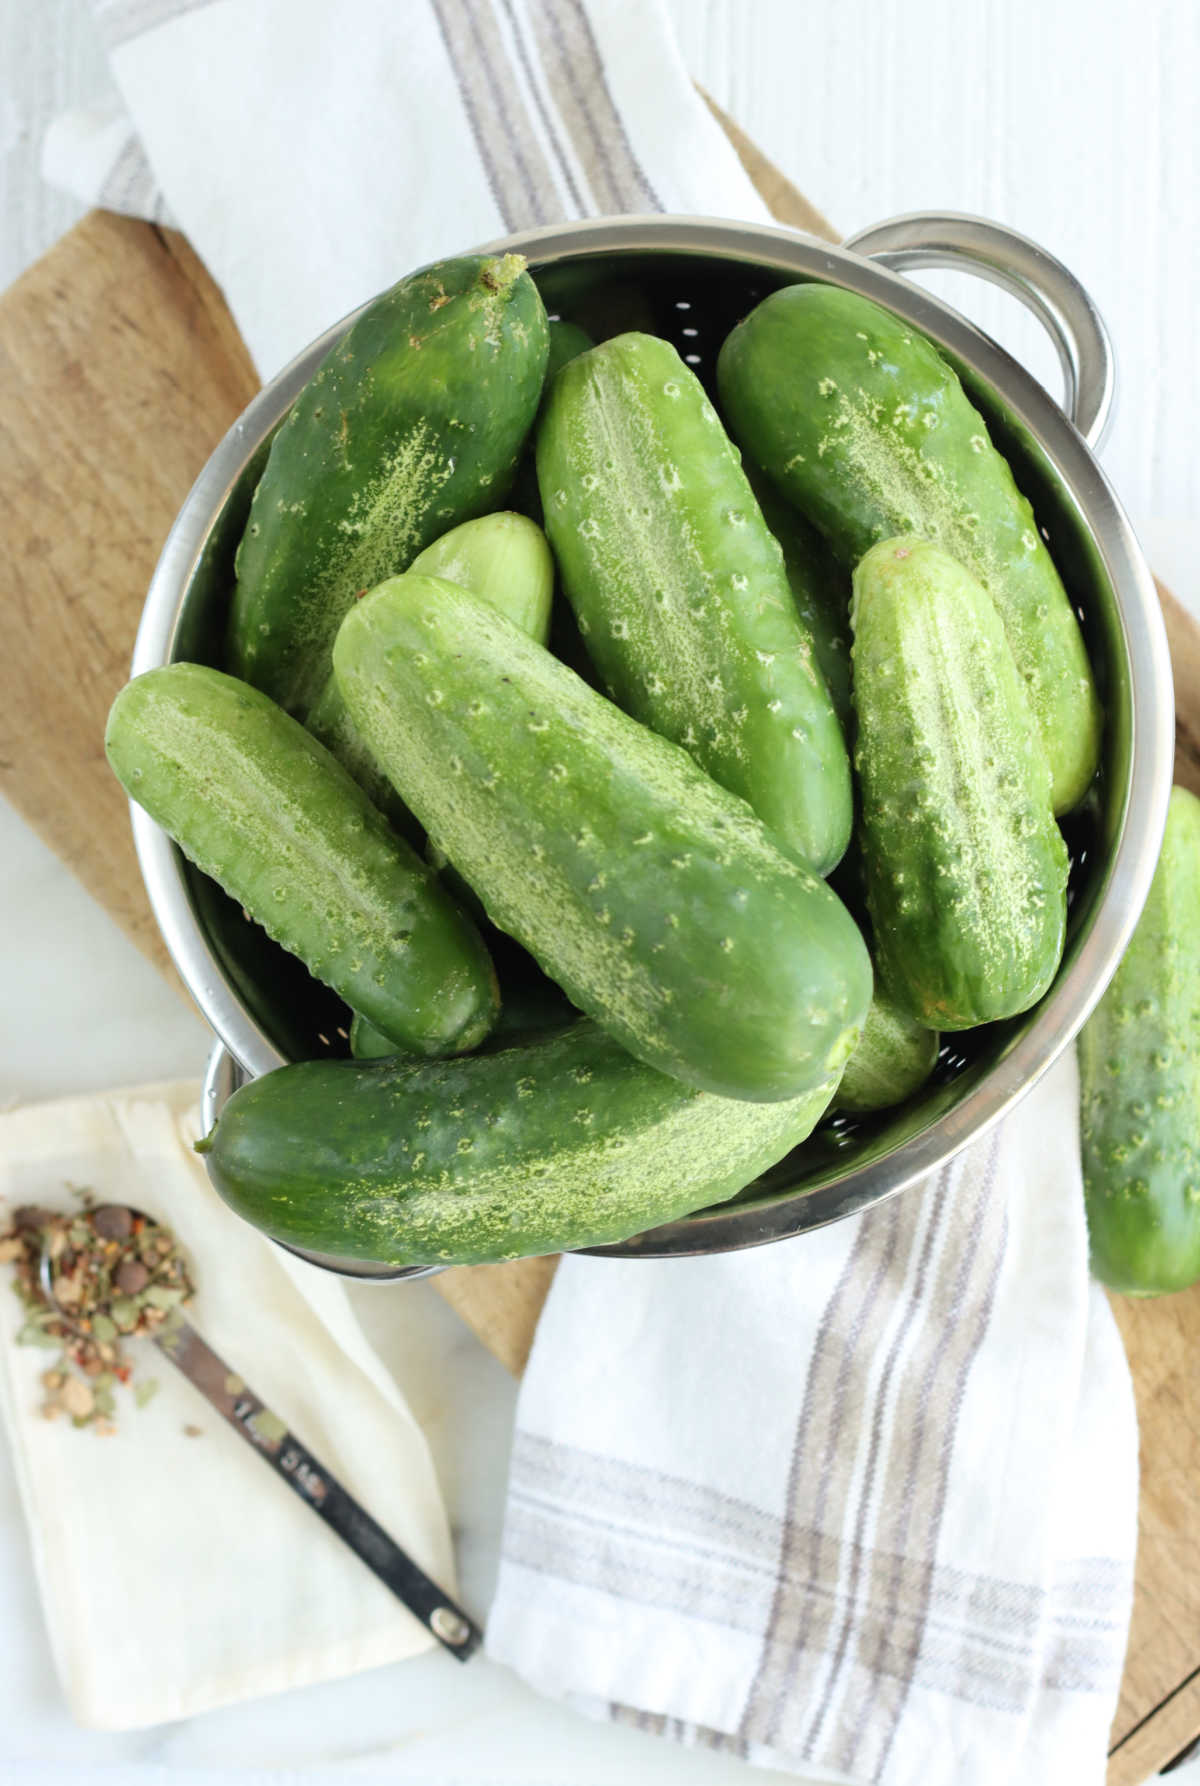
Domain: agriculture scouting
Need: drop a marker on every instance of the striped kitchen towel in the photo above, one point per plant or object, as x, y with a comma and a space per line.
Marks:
315, 150
862, 1504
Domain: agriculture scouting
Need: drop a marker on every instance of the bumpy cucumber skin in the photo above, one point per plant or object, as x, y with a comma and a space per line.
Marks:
680, 592
329, 722
655, 898
566, 341
1139, 1073
264, 809
504, 558
893, 1059
412, 423
866, 428
565, 1141
966, 868
820, 588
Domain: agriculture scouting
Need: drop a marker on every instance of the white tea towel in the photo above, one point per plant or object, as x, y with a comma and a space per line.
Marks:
178, 1572
862, 1504
314, 152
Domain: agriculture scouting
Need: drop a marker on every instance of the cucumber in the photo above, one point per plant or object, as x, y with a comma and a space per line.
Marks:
332, 726
502, 557
966, 869
655, 898
562, 1142
412, 423
505, 559
680, 592
529, 1002
567, 342
820, 588
369, 1043
1139, 1073
893, 1059
264, 809
868, 431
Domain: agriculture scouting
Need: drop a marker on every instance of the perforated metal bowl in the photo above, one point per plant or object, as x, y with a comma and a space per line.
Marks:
690, 279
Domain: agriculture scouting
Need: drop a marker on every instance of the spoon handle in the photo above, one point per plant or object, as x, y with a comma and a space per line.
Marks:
317, 1486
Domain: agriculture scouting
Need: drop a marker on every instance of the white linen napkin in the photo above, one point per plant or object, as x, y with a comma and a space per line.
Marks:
176, 1571
862, 1503
313, 152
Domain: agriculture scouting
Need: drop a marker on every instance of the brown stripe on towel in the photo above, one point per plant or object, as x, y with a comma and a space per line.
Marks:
552, 127
959, 1311
579, 87
119, 20
518, 174
130, 187
888, 1465
654, 1539
851, 1327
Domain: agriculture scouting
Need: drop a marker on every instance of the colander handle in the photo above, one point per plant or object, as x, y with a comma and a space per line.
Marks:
1042, 283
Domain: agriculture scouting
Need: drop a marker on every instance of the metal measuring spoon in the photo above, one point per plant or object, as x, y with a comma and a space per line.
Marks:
317, 1487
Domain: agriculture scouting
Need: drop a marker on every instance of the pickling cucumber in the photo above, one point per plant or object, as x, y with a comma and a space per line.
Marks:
893, 1059
259, 805
864, 426
412, 423
820, 588
966, 869
567, 342
367, 1042
529, 1003
1139, 1073
505, 559
680, 592
656, 899
565, 1141
502, 557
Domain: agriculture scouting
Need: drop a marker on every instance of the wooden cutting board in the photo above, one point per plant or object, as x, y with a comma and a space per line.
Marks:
120, 369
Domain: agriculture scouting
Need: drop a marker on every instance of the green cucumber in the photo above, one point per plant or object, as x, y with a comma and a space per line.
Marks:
567, 342
529, 1002
820, 589
412, 423
329, 722
655, 898
966, 868
259, 805
1139, 1073
680, 592
502, 557
369, 1043
505, 559
563, 1142
893, 1059
866, 428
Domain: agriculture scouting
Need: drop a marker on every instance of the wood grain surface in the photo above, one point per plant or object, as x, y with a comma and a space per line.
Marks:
120, 369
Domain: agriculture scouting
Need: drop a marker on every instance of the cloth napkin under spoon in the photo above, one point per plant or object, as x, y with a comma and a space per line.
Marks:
254, 1421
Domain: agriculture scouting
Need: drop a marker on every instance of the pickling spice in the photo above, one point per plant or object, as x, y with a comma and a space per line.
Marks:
116, 1276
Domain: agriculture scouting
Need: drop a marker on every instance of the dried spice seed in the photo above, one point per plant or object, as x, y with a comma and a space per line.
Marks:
112, 1221
115, 1275
131, 1276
